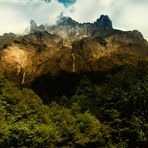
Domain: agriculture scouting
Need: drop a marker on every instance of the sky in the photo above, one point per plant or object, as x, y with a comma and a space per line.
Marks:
15, 15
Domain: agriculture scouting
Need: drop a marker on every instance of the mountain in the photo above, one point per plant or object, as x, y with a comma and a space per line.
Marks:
69, 29
69, 46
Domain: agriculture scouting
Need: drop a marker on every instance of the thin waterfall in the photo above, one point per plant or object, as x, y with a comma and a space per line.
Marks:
74, 63
23, 79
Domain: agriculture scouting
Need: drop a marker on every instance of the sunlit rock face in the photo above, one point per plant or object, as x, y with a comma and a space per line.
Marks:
32, 56
69, 46
15, 60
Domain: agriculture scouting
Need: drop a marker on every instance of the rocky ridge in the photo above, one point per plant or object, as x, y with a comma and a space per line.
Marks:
69, 46
68, 29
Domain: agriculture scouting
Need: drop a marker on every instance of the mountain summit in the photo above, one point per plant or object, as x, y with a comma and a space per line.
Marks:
69, 29
66, 21
104, 22
69, 46
34, 28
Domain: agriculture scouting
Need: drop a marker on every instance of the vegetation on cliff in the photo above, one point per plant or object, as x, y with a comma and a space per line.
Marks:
101, 109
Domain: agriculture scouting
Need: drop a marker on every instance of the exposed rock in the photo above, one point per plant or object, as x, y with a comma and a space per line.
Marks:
104, 22
92, 47
7, 38
66, 21
33, 55
69, 29
34, 28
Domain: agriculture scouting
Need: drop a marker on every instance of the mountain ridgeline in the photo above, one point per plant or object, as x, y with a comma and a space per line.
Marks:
69, 46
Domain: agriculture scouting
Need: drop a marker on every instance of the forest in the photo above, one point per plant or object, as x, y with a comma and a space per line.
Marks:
103, 109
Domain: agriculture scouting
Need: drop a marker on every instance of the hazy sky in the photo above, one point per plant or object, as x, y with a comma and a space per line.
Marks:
125, 14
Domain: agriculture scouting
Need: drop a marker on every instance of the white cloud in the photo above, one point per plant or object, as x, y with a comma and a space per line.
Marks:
15, 15
133, 16
89, 11
125, 14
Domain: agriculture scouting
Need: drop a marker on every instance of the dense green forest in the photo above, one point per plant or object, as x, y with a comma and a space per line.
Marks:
106, 109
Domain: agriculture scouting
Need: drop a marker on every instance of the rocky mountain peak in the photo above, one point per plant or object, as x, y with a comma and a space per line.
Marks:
66, 21
34, 28
69, 29
69, 46
104, 22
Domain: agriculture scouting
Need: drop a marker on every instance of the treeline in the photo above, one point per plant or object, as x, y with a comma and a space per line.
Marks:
94, 109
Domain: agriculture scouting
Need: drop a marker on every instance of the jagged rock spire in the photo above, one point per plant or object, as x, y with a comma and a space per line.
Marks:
104, 22
34, 28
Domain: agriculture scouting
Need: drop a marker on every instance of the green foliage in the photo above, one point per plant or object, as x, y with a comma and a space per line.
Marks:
78, 128
25, 121
121, 102
102, 109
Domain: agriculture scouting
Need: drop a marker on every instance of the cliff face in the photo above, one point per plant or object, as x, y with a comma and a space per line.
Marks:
31, 56
70, 46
